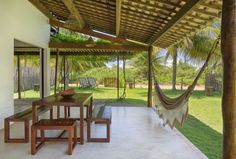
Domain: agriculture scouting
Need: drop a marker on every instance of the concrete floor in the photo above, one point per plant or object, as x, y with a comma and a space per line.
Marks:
136, 133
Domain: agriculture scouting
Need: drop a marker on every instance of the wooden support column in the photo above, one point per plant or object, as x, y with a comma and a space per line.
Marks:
64, 72
56, 68
42, 71
118, 77
149, 100
228, 46
18, 78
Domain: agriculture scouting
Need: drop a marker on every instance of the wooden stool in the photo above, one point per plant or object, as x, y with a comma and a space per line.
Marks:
53, 124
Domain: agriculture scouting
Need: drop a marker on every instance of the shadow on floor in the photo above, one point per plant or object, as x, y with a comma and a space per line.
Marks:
208, 140
127, 102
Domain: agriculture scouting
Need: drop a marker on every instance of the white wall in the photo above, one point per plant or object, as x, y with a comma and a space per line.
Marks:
19, 20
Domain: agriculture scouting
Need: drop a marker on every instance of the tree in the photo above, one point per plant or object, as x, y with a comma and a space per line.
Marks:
173, 52
196, 48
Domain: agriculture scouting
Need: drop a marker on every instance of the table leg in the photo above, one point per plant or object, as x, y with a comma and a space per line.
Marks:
58, 112
81, 125
90, 106
65, 112
34, 114
51, 113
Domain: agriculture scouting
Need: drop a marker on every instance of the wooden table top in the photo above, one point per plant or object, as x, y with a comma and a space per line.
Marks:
78, 99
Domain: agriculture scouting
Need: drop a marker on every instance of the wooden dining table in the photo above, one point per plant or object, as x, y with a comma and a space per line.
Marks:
77, 100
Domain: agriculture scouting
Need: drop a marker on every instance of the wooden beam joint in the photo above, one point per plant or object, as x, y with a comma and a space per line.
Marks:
74, 12
132, 48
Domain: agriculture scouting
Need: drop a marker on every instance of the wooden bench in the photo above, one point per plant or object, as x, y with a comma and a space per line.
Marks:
24, 116
53, 124
100, 115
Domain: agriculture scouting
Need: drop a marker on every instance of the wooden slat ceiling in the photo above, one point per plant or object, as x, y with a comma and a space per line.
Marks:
153, 22
73, 51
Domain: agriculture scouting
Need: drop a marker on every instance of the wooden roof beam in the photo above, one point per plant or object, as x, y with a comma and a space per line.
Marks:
93, 53
90, 32
118, 17
74, 12
42, 8
53, 44
179, 16
87, 31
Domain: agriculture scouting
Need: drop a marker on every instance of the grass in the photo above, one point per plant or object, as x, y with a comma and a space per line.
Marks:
203, 126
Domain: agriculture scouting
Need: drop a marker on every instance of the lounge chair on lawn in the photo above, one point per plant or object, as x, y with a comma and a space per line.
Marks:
92, 82
83, 82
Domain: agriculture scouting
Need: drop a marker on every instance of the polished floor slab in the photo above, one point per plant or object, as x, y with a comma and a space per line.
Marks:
136, 133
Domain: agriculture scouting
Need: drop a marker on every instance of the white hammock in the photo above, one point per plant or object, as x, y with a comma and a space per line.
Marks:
175, 110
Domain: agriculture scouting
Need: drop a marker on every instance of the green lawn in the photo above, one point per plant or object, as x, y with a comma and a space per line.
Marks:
203, 126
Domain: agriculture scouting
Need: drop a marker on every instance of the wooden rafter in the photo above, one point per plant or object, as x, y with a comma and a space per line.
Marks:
53, 44
155, 5
90, 32
198, 17
74, 12
211, 5
118, 16
168, 3
119, 21
180, 15
215, 15
87, 31
42, 8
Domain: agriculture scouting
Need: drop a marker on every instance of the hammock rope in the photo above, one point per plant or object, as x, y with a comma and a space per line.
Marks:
175, 110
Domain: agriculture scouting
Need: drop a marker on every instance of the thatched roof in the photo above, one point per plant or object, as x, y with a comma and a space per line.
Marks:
152, 22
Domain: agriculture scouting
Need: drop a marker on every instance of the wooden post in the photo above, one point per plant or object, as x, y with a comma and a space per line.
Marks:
42, 72
174, 71
56, 68
118, 77
228, 46
18, 78
64, 72
149, 100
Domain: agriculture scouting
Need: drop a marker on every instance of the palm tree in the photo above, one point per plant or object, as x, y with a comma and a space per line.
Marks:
196, 49
173, 52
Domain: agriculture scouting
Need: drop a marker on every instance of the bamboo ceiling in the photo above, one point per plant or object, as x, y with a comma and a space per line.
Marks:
153, 22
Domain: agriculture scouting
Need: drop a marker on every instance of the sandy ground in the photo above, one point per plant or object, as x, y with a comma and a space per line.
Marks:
168, 86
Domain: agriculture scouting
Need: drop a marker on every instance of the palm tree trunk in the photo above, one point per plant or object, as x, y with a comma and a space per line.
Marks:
229, 82
174, 65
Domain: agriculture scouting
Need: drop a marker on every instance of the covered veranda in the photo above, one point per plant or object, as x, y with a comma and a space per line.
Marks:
143, 25
129, 139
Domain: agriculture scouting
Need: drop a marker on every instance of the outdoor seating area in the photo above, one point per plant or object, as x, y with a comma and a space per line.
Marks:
129, 129
68, 99
118, 79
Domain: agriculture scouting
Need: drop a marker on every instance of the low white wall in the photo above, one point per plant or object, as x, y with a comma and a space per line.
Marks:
19, 20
